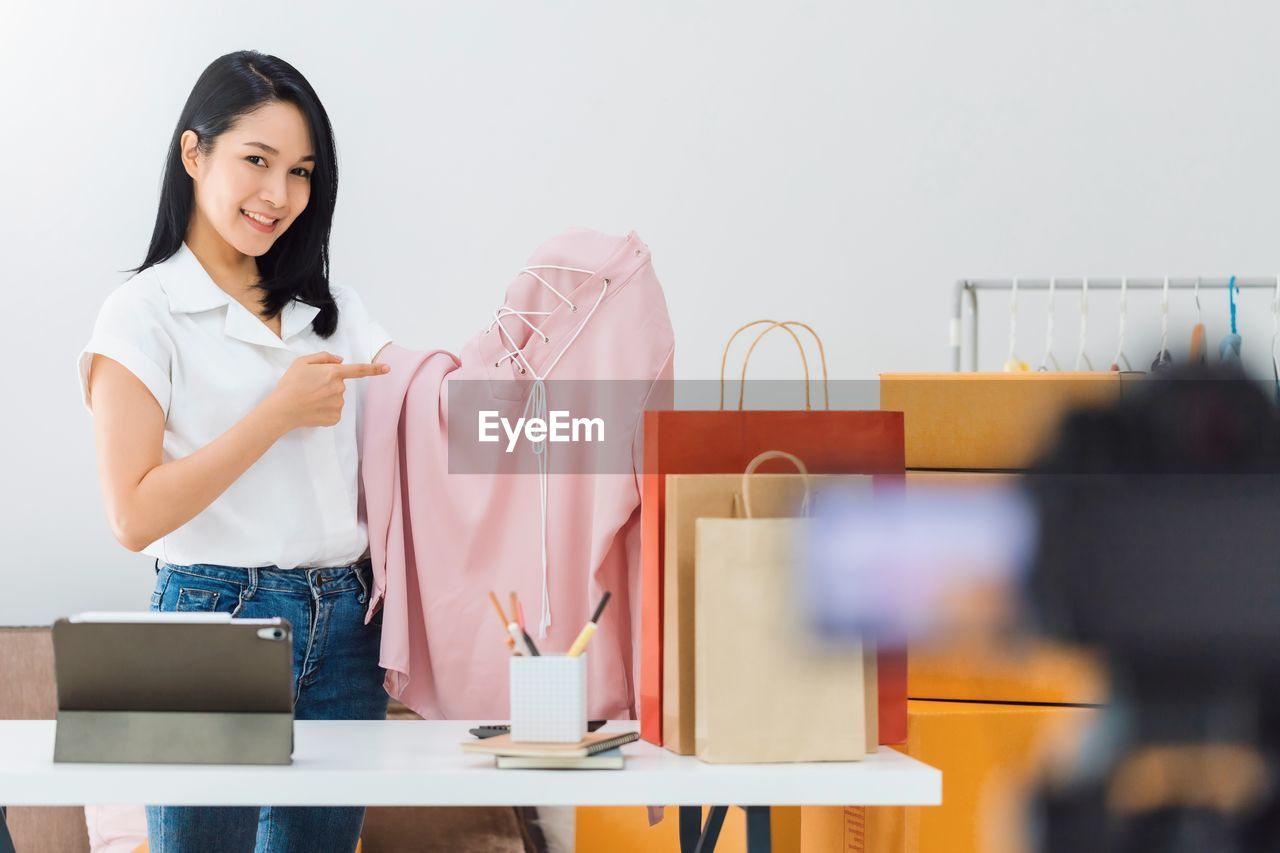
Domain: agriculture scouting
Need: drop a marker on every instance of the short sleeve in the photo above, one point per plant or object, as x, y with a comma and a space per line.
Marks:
128, 331
368, 335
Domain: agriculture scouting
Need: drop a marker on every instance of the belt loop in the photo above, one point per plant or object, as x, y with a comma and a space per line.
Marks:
357, 569
247, 592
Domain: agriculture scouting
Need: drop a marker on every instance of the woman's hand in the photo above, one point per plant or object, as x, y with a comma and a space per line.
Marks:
310, 393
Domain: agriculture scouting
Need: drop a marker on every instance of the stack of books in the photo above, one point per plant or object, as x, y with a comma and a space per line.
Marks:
596, 751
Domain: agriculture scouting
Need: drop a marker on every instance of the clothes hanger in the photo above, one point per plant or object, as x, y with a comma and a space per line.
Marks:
1048, 333
1081, 356
1013, 364
1124, 311
1229, 349
1197, 354
1163, 360
1275, 334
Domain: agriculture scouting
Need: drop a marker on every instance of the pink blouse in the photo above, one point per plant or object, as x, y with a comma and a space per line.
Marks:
451, 518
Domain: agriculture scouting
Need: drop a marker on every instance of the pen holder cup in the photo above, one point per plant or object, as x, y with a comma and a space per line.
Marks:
549, 698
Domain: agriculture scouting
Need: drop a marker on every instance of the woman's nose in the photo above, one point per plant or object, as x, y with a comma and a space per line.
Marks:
274, 191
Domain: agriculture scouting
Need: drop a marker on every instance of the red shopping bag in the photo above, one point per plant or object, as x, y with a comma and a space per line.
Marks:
724, 441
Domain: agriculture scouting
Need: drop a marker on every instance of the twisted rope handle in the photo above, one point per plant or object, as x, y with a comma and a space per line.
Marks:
786, 326
765, 457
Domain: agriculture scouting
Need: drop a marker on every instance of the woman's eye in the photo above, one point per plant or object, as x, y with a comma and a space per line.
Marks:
252, 158
302, 172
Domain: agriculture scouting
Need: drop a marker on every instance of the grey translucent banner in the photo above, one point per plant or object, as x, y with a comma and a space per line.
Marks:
596, 426
572, 426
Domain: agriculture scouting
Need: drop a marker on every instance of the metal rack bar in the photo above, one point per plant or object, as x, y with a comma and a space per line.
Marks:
971, 286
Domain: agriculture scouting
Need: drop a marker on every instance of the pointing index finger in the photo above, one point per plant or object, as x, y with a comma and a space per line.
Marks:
357, 371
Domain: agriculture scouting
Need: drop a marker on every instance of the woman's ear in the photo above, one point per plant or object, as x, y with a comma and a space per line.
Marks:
189, 148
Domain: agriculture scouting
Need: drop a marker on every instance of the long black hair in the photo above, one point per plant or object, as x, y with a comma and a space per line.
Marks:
297, 264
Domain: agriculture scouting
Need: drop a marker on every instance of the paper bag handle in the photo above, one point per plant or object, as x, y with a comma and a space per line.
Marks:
822, 355
804, 361
765, 457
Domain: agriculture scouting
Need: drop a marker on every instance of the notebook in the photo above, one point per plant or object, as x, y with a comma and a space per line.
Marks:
593, 743
609, 760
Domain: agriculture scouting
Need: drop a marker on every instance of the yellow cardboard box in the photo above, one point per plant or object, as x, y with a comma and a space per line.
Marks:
1033, 672
991, 421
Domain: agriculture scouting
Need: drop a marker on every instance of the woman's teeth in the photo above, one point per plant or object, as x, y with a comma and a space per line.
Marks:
259, 218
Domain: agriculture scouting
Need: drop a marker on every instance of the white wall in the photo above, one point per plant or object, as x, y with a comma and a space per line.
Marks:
836, 162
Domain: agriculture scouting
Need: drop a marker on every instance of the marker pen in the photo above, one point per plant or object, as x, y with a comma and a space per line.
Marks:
589, 629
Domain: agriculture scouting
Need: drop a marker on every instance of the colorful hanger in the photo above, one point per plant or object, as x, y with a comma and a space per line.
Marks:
1197, 353
1229, 349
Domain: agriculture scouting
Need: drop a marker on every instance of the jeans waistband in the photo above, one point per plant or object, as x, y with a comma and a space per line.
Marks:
273, 577
367, 563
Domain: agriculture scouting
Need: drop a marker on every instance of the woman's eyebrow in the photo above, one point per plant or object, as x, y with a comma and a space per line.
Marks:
267, 148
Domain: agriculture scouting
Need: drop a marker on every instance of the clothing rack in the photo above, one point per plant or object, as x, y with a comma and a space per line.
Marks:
967, 289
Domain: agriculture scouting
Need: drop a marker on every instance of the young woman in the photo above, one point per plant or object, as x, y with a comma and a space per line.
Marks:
217, 379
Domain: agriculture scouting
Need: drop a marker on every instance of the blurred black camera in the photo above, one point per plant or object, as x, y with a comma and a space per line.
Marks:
1159, 546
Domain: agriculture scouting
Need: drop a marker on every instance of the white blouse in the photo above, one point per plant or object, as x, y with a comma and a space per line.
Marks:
209, 360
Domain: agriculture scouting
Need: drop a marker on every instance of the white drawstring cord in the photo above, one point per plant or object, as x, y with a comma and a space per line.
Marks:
536, 405
547, 284
523, 316
538, 402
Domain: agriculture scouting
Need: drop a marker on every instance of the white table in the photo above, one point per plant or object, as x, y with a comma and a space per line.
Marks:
402, 763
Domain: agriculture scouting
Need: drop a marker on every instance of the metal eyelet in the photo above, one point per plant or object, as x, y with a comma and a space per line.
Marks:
522, 370
496, 364
606, 281
546, 340
573, 308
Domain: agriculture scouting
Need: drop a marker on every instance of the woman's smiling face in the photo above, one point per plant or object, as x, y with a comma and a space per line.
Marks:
256, 180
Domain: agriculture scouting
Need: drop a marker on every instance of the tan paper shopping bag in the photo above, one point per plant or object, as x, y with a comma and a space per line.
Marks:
694, 496
763, 691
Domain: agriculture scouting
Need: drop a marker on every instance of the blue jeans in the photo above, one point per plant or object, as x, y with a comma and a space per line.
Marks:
335, 677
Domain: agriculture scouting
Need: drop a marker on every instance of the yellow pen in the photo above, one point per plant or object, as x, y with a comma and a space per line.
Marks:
588, 630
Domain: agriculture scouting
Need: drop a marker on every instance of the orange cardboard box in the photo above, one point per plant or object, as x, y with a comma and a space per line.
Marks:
988, 754
1033, 673
989, 421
